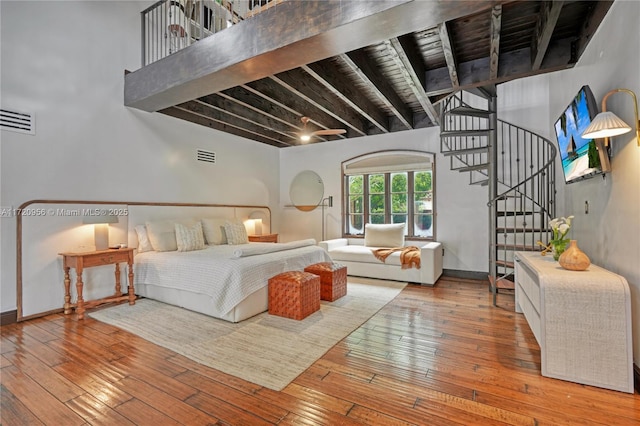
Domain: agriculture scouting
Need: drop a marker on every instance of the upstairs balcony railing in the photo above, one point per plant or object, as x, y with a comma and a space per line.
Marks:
171, 25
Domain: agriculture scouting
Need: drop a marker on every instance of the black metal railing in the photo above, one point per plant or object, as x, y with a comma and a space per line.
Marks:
168, 26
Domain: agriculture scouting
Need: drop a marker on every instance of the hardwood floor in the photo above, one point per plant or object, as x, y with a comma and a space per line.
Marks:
433, 356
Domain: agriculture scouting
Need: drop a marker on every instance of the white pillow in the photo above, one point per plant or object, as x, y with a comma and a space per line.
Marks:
213, 228
162, 233
384, 235
236, 233
189, 238
143, 239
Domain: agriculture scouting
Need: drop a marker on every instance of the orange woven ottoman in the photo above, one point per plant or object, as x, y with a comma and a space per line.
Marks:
294, 294
333, 279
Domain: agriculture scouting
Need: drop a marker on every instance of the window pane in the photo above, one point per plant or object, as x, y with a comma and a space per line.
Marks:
399, 182
356, 204
399, 218
356, 224
422, 181
399, 203
376, 218
376, 184
376, 204
422, 225
356, 184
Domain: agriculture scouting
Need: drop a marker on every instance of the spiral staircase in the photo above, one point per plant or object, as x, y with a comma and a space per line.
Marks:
515, 164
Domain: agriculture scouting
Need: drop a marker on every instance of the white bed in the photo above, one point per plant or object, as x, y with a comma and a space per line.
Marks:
220, 281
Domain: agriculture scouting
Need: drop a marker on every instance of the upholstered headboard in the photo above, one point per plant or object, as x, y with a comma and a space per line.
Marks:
46, 228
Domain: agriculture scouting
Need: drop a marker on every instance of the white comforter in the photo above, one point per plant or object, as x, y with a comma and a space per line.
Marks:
218, 273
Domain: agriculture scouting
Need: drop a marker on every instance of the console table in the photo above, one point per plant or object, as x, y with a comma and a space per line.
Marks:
81, 260
581, 320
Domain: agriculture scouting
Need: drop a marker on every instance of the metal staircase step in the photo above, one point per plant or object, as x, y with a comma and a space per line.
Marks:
483, 166
514, 213
480, 182
517, 247
518, 230
506, 197
505, 263
475, 133
469, 112
502, 283
477, 150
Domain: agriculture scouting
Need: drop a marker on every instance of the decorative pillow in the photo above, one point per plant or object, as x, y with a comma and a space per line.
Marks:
384, 235
189, 238
213, 228
236, 233
162, 233
143, 239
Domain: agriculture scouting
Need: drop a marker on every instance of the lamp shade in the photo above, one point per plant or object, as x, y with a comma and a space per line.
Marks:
95, 219
101, 228
604, 125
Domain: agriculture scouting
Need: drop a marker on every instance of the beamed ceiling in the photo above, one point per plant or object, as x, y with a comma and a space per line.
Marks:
365, 67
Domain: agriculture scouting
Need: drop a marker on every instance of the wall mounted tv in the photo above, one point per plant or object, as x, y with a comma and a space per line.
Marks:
581, 158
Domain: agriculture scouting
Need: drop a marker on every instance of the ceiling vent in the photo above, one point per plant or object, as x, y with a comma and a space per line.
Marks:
15, 121
207, 156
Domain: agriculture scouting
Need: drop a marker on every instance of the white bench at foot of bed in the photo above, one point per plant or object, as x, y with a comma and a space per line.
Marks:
360, 261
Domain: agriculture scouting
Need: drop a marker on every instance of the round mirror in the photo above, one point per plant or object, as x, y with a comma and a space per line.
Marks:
306, 190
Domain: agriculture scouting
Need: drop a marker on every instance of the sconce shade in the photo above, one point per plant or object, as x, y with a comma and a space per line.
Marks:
604, 125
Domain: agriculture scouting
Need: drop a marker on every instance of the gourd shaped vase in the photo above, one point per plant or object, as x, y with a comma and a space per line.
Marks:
573, 258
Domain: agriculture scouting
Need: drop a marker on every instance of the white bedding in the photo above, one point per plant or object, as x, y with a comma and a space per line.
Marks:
216, 273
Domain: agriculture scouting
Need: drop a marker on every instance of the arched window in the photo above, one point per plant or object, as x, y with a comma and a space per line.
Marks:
390, 187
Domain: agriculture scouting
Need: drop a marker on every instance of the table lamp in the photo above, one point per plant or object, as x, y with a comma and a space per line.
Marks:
101, 228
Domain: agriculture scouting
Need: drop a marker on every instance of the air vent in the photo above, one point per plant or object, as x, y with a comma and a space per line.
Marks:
15, 121
208, 156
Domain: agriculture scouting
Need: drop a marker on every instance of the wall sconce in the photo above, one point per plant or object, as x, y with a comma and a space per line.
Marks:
101, 229
606, 124
329, 203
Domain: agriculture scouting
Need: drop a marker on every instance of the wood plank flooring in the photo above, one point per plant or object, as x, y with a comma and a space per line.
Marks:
433, 356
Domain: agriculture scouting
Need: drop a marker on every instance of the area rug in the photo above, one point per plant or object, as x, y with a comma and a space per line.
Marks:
267, 350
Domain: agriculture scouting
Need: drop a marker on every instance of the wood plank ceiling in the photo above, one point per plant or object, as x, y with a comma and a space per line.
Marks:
391, 81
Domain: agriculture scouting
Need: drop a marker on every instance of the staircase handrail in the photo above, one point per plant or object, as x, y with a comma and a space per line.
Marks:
542, 169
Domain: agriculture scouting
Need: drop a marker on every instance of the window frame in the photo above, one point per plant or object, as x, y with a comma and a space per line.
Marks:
410, 168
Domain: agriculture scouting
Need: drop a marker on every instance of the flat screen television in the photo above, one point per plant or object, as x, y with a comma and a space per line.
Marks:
581, 158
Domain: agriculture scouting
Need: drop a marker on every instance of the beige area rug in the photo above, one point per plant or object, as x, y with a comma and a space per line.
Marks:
267, 350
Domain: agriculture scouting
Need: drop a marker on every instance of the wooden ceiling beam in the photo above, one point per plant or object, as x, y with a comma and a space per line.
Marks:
591, 24
496, 25
332, 80
256, 116
414, 73
235, 121
217, 125
449, 54
301, 84
362, 66
293, 107
546, 24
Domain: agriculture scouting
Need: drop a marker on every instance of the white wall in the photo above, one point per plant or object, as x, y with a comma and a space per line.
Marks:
610, 233
65, 62
461, 224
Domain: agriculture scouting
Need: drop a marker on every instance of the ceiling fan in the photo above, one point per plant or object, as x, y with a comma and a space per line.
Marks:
306, 135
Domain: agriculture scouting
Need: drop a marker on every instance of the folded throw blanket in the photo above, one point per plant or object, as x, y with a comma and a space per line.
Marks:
263, 248
409, 256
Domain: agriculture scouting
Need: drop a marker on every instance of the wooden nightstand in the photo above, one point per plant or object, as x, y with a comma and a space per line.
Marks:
82, 260
267, 238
